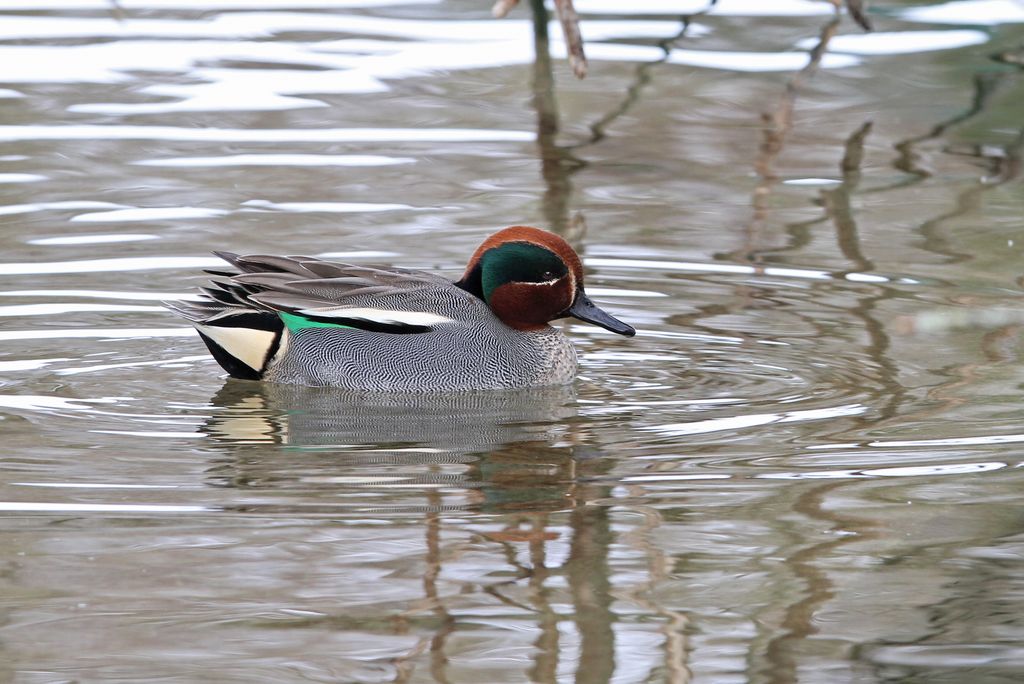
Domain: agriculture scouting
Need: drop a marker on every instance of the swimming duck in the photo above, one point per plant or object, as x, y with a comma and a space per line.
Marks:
305, 321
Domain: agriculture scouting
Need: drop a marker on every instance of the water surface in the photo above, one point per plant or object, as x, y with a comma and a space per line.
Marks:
805, 467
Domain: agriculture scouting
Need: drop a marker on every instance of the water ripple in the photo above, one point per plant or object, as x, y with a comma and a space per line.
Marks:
62, 507
21, 178
56, 206
99, 333
968, 12
149, 214
91, 239
58, 308
732, 423
109, 265
325, 207
277, 160
901, 42
290, 135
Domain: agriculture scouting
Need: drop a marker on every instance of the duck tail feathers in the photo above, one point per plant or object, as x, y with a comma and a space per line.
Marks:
242, 340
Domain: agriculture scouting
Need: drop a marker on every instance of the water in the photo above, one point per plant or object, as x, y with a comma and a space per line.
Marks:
805, 467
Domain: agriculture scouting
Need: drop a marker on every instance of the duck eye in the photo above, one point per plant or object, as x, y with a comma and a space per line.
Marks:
548, 275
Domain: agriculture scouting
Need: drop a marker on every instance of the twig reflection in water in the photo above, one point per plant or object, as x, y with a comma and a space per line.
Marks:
782, 651
776, 656
777, 125
560, 162
570, 22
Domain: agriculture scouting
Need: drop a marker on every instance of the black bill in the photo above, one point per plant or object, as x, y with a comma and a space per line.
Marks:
586, 310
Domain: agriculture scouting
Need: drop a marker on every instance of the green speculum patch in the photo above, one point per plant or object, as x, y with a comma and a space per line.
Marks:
295, 322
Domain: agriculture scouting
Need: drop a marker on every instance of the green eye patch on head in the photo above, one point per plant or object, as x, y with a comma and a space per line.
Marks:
519, 262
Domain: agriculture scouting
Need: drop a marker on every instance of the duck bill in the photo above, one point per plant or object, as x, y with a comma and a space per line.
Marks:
585, 310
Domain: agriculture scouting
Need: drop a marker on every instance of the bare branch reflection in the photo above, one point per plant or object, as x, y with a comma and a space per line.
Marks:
676, 641
558, 162
838, 206
545, 665
782, 651
777, 125
438, 659
985, 88
590, 583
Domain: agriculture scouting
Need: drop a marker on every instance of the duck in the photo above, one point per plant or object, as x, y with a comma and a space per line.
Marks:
302, 320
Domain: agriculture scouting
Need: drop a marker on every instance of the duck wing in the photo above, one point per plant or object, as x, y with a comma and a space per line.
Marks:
242, 316
307, 291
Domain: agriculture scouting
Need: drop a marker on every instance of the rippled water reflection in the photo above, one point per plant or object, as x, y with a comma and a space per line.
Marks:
805, 467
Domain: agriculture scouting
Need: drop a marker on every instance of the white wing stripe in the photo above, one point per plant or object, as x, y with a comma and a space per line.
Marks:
383, 316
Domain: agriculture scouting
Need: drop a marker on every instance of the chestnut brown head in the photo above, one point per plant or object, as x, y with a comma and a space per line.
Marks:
529, 277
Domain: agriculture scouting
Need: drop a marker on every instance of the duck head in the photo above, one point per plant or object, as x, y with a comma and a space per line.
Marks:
529, 277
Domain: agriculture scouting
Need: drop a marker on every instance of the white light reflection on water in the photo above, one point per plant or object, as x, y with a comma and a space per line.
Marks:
896, 471
100, 333
149, 214
93, 485
326, 207
424, 46
204, 358
711, 59
106, 408
289, 135
775, 271
56, 308
812, 181
109, 265
821, 474
1005, 658
21, 178
739, 422
91, 239
277, 160
756, 61
866, 278
176, 262
667, 477
235, 25
707, 268
103, 294
777, 8
900, 42
616, 292
56, 206
27, 364
60, 507
203, 5
40, 402
953, 441
733, 8
362, 66
152, 434
968, 12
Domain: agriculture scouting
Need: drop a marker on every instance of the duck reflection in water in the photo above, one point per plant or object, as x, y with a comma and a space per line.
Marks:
513, 459
506, 450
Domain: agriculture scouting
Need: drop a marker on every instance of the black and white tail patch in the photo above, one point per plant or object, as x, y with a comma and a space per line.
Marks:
242, 342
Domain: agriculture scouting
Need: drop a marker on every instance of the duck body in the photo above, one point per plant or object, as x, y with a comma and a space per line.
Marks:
471, 350
305, 321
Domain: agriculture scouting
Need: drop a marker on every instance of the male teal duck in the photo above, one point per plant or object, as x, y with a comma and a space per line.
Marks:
305, 321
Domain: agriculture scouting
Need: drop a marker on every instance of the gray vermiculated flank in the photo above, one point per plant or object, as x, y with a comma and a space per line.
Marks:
474, 351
